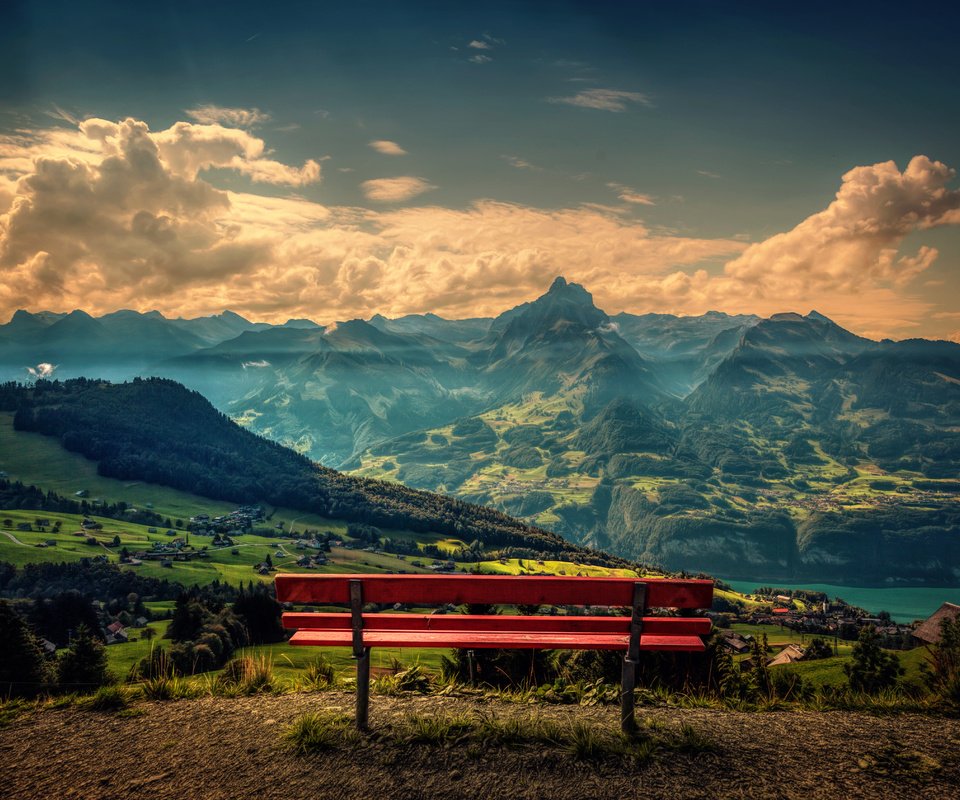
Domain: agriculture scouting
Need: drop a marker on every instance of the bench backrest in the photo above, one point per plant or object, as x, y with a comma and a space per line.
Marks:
494, 589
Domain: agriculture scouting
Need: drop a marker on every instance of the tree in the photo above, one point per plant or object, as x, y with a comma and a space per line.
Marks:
84, 664
872, 669
23, 668
817, 649
189, 616
759, 653
261, 615
148, 633
942, 669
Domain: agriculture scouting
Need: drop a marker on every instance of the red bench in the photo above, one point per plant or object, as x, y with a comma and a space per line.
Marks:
632, 634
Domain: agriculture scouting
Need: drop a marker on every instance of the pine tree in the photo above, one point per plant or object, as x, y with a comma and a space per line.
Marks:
84, 665
872, 669
23, 668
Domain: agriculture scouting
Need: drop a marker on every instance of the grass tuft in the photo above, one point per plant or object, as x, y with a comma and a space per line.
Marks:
167, 687
320, 731
442, 728
107, 698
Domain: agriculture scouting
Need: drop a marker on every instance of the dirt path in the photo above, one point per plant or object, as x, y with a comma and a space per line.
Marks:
13, 538
231, 748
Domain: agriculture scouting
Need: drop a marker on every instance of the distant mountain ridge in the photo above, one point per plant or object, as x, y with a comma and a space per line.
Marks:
784, 447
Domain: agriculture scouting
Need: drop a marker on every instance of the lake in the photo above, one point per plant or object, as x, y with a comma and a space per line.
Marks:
905, 604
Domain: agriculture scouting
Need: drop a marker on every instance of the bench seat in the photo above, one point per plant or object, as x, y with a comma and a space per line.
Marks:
666, 626
519, 640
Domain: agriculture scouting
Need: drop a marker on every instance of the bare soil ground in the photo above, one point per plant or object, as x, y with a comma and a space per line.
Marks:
233, 748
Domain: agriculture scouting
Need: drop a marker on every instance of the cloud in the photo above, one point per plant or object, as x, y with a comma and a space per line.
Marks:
388, 148
854, 242
112, 215
233, 117
189, 149
603, 99
478, 44
395, 190
707, 174
609, 327
520, 163
255, 364
43, 370
629, 195
480, 58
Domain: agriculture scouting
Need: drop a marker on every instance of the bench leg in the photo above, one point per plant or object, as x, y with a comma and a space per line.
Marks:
628, 682
363, 689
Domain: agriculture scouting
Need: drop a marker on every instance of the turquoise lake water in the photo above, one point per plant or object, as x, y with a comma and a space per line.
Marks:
904, 604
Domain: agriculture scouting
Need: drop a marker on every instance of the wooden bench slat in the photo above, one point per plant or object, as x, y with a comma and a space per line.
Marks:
690, 626
494, 639
503, 589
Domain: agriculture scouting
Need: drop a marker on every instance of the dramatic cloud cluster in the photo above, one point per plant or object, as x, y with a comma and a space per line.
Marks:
603, 99
394, 190
112, 215
388, 148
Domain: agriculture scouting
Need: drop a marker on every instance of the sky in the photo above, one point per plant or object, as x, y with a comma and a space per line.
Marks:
333, 161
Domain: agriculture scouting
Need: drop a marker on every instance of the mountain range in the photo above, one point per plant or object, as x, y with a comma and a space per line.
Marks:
784, 447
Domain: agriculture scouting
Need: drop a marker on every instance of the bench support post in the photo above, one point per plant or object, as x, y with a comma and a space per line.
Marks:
361, 653
628, 679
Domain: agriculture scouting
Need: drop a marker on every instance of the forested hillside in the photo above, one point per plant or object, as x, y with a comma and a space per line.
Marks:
156, 430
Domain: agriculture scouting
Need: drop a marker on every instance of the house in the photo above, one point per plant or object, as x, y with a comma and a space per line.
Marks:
141, 622
928, 631
734, 642
115, 627
789, 655
48, 646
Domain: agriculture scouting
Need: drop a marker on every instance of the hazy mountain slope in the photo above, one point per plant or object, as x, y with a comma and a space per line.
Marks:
785, 447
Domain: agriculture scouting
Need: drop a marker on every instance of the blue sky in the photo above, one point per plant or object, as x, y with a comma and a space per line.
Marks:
679, 134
